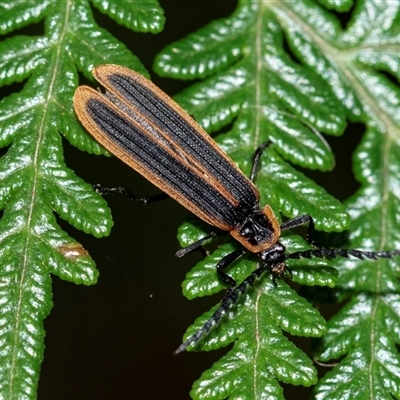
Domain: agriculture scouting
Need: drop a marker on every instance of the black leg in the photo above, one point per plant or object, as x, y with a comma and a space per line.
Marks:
256, 160
121, 190
224, 262
301, 220
194, 246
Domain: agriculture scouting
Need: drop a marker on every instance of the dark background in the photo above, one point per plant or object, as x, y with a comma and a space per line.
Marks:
115, 340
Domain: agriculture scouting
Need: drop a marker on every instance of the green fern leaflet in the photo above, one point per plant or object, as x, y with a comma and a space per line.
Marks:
285, 71
329, 75
35, 182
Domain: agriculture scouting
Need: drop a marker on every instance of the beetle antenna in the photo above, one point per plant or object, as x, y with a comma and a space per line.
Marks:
232, 294
227, 302
324, 252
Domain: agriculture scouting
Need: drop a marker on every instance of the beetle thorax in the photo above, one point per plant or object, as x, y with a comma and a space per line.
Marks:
258, 231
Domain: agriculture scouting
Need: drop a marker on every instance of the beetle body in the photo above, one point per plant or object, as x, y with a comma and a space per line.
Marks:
142, 126
146, 129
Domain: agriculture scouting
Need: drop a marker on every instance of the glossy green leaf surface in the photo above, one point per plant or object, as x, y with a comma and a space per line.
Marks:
262, 353
365, 332
286, 72
289, 72
36, 185
140, 16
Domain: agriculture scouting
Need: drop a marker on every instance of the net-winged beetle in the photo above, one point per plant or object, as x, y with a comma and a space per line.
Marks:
146, 129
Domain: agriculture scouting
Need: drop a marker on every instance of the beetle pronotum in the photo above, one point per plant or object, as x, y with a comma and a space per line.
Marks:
145, 128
